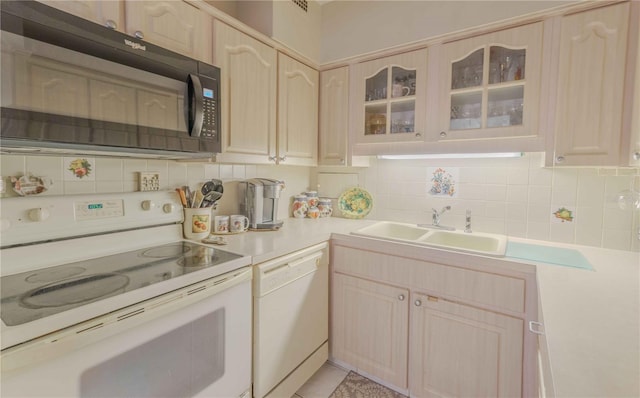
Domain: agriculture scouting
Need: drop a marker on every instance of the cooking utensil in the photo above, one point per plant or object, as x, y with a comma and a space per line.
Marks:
183, 197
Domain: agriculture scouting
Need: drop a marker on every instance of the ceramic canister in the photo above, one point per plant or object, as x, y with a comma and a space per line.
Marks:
312, 198
325, 207
313, 212
300, 206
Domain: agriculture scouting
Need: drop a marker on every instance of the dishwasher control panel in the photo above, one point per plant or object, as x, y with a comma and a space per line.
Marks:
272, 275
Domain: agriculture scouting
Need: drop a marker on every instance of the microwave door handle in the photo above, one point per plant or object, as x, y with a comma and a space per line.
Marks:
196, 103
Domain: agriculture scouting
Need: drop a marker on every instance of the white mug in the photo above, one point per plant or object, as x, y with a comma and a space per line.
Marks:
221, 224
399, 90
197, 223
239, 223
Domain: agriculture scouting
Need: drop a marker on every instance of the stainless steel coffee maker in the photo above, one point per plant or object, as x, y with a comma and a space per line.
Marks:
259, 202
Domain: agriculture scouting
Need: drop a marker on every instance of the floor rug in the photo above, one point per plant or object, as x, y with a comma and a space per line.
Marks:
356, 386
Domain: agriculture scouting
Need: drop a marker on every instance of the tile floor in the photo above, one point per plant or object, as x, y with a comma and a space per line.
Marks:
323, 382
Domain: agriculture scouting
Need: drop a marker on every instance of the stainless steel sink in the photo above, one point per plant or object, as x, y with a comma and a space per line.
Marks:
475, 242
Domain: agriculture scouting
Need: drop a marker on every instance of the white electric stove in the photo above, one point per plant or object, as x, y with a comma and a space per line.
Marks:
117, 265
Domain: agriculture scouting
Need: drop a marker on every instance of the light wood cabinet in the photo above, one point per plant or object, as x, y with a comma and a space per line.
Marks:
388, 99
462, 351
297, 112
259, 88
461, 331
333, 133
249, 95
370, 327
490, 86
591, 79
174, 25
105, 13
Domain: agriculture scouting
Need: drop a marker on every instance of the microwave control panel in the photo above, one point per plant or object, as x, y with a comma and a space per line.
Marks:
210, 108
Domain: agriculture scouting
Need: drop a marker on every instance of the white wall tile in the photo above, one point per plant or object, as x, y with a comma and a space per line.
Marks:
226, 171
177, 174
591, 188
497, 193
131, 168
239, 172
109, 169
540, 176
104, 186
619, 239
562, 232
195, 173
518, 176
12, 165
517, 193
538, 230
564, 195
496, 175
539, 194
79, 187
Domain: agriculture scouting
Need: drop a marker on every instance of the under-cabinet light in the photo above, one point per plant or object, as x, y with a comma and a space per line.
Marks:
454, 156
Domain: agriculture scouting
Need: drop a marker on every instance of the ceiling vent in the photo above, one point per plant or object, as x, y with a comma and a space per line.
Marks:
301, 3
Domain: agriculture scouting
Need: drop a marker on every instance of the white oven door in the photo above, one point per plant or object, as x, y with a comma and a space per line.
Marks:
195, 341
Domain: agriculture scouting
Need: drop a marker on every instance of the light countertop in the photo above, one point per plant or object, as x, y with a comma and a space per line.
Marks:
591, 318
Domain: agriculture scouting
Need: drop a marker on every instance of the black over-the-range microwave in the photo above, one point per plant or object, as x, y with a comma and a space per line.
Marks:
72, 86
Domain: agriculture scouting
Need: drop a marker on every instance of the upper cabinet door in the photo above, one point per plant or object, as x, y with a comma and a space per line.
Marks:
174, 25
388, 98
334, 117
105, 13
490, 85
248, 87
591, 76
297, 112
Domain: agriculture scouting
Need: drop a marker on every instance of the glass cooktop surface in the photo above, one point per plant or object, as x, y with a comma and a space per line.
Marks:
36, 294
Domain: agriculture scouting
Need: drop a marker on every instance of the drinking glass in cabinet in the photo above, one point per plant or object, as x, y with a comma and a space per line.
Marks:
376, 86
505, 106
402, 116
466, 110
468, 71
376, 124
506, 65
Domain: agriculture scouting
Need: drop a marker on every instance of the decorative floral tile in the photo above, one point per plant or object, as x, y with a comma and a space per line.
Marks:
79, 169
563, 214
443, 182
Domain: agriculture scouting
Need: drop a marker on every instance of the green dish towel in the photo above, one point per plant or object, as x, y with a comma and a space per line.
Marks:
548, 255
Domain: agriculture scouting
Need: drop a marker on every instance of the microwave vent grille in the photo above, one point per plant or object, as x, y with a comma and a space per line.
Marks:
303, 4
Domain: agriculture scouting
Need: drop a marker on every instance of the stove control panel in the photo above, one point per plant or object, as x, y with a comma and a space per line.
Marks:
92, 210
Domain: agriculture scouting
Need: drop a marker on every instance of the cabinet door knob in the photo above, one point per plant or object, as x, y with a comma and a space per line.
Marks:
559, 159
341, 161
401, 297
282, 158
418, 303
272, 158
636, 156
139, 35
443, 134
111, 24
418, 134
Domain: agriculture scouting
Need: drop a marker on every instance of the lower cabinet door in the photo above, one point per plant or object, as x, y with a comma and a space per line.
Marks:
370, 327
461, 351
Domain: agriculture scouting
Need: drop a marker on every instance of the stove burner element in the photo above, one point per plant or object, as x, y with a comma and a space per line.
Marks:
74, 290
54, 275
170, 250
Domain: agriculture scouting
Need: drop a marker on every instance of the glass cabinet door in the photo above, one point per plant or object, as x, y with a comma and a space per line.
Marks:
503, 70
492, 86
390, 101
390, 94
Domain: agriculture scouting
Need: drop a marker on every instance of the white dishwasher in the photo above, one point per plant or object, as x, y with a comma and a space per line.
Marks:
291, 311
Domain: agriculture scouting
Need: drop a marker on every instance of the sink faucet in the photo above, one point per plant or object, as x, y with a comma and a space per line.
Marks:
436, 215
467, 224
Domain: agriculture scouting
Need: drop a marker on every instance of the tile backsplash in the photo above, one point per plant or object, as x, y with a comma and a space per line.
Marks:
516, 197
112, 175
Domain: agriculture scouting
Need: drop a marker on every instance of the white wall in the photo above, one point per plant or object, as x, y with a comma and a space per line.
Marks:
351, 28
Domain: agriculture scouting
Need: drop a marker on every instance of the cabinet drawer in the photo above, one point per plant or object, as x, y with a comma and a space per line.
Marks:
490, 290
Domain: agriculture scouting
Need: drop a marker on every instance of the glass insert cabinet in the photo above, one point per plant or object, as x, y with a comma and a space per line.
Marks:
490, 86
390, 98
